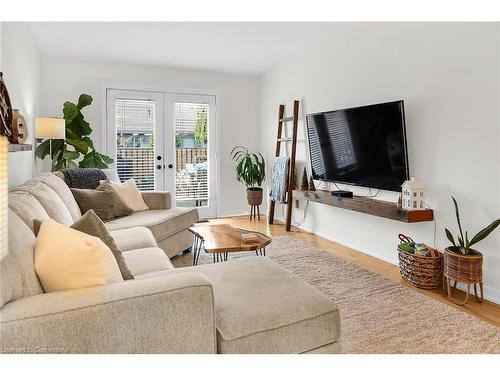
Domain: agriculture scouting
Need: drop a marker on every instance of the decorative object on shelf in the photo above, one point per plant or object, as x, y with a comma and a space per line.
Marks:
419, 264
311, 184
5, 111
413, 195
250, 170
77, 136
50, 128
3, 196
294, 181
19, 128
304, 184
462, 264
400, 202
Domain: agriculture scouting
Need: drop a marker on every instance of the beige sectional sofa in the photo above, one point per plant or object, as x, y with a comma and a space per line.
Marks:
250, 305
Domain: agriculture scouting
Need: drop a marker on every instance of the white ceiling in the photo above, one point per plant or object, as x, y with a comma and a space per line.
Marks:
242, 48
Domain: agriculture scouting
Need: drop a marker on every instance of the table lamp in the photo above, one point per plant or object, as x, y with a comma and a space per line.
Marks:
50, 128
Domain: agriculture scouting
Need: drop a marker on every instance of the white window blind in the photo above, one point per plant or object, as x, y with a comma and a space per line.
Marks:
135, 126
191, 135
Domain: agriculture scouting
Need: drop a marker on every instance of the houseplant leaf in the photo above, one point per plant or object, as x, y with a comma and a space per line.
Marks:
79, 145
70, 155
84, 100
458, 218
485, 232
70, 110
450, 237
43, 149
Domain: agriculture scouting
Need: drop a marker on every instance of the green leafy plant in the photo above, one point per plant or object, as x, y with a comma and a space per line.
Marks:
200, 130
250, 167
463, 243
66, 152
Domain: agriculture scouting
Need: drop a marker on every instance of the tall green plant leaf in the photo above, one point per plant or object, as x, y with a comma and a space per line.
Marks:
70, 110
457, 213
450, 237
485, 232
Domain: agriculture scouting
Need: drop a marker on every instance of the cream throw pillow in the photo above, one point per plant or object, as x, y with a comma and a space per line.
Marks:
130, 194
66, 258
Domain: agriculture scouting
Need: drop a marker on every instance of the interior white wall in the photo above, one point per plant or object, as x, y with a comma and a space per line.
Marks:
448, 75
21, 68
238, 110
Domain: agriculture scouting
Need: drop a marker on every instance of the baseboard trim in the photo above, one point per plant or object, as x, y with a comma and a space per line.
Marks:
490, 294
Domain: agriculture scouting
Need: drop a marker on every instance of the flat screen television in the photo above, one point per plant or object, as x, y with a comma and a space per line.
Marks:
363, 146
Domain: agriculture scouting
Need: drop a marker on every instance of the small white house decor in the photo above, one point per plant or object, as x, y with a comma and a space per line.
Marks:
413, 195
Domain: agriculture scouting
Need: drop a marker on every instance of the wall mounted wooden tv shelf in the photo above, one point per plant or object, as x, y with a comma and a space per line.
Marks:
370, 206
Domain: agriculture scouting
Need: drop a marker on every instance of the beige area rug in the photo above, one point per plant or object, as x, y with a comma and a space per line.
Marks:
378, 315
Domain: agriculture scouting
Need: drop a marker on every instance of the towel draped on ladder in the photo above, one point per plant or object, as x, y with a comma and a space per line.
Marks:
279, 185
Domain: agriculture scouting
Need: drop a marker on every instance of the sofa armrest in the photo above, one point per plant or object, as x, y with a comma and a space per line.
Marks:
157, 200
168, 314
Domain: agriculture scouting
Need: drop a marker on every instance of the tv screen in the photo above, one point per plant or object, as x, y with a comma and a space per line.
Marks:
364, 146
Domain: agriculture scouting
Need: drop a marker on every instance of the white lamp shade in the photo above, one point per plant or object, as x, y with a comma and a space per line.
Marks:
50, 128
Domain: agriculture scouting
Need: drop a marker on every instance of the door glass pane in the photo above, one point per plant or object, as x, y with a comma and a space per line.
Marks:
135, 126
191, 141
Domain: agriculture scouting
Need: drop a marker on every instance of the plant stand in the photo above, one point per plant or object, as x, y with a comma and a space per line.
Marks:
465, 269
447, 289
253, 210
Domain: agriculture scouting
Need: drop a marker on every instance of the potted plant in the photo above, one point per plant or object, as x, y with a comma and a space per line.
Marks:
77, 145
251, 170
461, 262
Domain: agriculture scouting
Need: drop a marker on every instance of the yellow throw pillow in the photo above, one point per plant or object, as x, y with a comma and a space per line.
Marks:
130, 194
66, 258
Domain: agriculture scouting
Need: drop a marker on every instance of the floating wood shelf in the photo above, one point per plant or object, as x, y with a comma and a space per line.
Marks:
370, 206
15, 147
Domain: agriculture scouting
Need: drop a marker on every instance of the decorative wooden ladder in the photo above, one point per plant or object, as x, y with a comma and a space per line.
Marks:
291, 170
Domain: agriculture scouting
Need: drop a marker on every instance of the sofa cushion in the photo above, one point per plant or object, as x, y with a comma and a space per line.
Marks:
163, 223
63, 191
27, 207
105, 202
130, 194
263, 308
133, 238
147, 260
91, 224
17, 272
50, 201
66, 258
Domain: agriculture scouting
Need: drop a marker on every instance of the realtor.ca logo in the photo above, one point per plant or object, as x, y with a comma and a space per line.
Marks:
32, 350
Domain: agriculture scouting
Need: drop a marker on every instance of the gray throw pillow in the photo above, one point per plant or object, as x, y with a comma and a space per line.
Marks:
105, 201
91, 224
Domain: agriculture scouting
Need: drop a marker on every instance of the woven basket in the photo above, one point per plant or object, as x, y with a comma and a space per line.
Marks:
420, 271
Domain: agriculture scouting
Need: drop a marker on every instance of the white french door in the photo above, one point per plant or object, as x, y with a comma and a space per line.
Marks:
165, 141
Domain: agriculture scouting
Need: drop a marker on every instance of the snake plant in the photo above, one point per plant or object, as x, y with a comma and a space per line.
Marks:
463, 243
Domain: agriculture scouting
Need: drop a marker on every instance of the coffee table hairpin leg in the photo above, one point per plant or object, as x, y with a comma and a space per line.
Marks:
261, 252
197, 245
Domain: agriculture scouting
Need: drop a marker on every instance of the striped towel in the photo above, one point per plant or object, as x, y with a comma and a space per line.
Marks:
280, 179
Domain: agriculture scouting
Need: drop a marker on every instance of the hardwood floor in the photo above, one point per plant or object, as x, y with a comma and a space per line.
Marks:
487, 311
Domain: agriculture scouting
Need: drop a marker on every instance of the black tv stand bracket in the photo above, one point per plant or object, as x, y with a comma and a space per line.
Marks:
342, 193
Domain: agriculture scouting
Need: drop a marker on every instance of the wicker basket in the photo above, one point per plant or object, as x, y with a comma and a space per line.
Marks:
420, 271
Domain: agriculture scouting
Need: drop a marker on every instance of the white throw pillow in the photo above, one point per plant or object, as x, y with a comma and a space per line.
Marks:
111, 174
130, 194
66, 258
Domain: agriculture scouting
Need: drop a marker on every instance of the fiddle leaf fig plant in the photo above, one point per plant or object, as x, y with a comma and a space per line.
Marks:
77, 145
463, 243
250, 167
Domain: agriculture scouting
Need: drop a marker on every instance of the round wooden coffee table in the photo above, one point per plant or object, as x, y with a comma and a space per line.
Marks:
221, 239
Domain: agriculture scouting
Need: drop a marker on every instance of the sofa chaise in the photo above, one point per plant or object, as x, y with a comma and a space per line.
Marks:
250, 305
